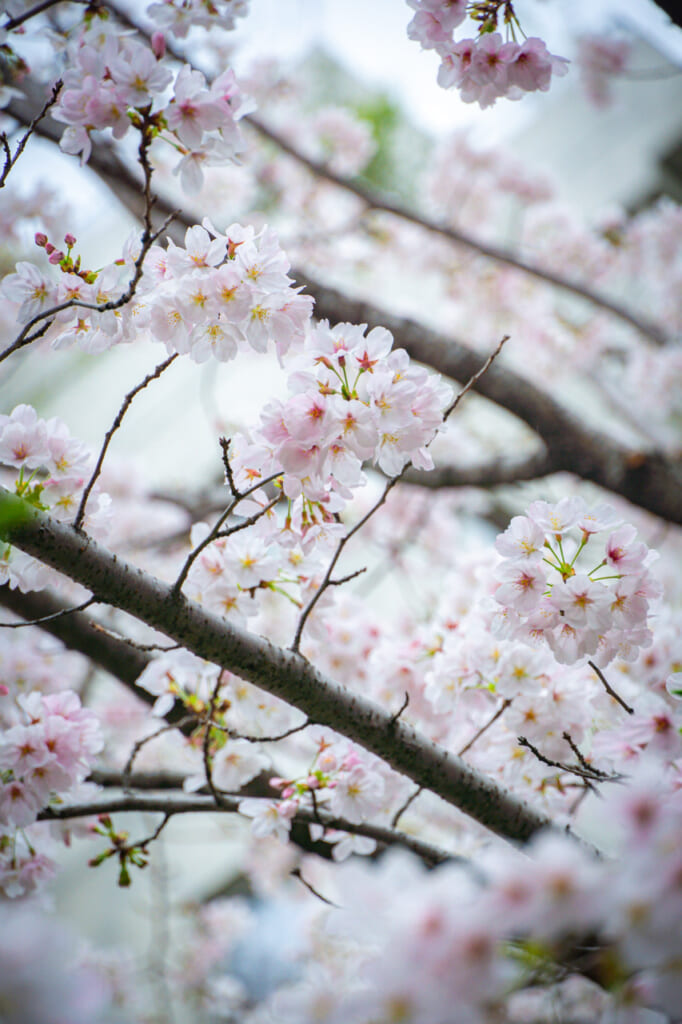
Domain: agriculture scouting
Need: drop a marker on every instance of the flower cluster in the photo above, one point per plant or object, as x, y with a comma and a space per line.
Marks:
115, 82
208, 299
488, 942
221, 292
354, 399
337, 780
45, 755
484, 68
53, 469
550, 594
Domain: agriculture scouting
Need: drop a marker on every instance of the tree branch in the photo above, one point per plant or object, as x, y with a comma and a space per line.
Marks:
174, 803
283, 673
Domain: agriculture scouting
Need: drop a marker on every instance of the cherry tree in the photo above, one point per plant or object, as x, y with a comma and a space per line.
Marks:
416, 637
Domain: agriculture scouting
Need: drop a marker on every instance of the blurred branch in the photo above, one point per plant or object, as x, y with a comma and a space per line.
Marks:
484, 474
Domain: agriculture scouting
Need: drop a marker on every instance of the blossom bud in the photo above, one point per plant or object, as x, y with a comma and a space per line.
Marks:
40, 239
56, 256
49, 248
69, 240
158, 44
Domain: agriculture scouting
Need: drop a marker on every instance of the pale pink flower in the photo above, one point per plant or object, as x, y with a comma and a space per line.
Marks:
23, 438
236, 763
582, 603
624, 555
29, 287
523, 539
270, 817
192, 110
557, 519
522, 585
357, 794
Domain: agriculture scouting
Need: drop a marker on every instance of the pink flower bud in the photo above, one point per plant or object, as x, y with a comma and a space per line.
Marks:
56, 256
312, 782
49, 248
158, 44
69, 240
40, 239
4, 690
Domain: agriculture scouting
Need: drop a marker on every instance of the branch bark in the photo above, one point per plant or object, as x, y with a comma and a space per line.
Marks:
288, 675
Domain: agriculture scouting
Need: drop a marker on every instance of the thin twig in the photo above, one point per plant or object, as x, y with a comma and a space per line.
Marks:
38, 8
208, 767
271, 739
127, 402
581, 757
491, 721
476, 377
128, 768
609, 689
133, 643
49, 618
296, 873
215, 532
401, 810
141, 844
588, 774
403, 706
346, 579
10, 160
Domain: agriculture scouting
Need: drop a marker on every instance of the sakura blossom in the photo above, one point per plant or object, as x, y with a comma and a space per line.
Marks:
597, 612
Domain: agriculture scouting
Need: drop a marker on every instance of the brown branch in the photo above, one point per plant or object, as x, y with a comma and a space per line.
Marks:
172, 803
484, 474
376, 201
10, 160
283, 673
609, 689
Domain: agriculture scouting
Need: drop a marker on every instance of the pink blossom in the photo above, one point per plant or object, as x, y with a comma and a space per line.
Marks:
522, 585
622, 554
523, 539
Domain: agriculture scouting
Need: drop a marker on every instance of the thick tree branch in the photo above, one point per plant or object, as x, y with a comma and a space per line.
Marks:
283, 673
